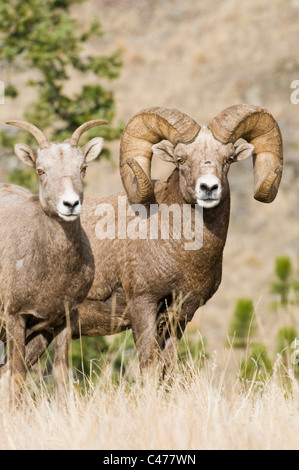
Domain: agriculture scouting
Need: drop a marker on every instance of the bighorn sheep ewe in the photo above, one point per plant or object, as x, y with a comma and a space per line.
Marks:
46, 264
136, 280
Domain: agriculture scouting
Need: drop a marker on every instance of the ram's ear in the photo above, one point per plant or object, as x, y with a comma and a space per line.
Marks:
26, 154
243, 151
164, 150
92, 149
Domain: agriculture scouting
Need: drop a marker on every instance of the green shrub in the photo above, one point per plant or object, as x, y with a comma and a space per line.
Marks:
257, 366
283, 271
192, 346
26, 178
45, 40
242, 326
87, 354
284, 338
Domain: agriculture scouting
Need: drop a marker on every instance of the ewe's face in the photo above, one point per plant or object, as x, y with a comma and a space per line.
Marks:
203, 166
61, 170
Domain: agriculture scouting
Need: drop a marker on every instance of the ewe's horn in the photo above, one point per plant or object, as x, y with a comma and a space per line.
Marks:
258, 127
145, 129
35, 131
83, 128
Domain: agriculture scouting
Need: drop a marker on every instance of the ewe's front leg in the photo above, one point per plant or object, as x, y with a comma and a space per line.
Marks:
16, 332
62, 338
36, 345
37, 342
143, 317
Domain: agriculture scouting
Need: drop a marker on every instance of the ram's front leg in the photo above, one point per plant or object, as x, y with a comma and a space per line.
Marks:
171, 326
169, 335
143, 317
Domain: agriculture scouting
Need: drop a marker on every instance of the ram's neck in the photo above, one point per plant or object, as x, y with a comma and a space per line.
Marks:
215, 220
168, 192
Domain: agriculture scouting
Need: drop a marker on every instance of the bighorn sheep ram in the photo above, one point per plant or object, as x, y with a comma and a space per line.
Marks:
136, 280
46, 264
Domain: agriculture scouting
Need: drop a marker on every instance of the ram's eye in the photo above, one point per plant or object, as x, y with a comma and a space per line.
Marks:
40, 171
83, 170
181, 161
230, 160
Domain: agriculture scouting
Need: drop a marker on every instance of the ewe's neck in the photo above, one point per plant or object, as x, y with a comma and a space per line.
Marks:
72, 230
64, 234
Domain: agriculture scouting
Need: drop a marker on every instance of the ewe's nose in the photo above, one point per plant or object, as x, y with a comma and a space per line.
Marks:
71, 204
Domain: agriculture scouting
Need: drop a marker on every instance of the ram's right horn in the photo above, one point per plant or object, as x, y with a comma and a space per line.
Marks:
258, 127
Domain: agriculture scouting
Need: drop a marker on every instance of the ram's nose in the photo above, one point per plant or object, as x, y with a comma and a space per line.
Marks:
208, 191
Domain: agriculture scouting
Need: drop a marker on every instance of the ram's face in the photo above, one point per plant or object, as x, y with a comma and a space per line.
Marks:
203, 166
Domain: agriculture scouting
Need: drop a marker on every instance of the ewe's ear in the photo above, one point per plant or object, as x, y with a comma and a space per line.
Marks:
164, 150
92, 149
26, 154
243, 151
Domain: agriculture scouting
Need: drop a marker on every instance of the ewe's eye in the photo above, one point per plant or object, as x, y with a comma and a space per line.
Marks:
40, 171
181, 161
83, 170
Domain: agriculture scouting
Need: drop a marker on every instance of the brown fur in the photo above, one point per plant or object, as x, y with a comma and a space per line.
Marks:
46, 263
137, 281
155, 286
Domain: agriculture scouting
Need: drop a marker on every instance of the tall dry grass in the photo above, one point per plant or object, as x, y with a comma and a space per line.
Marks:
202, 410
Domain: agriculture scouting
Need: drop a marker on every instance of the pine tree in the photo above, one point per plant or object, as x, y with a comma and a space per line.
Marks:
41, 36
283, 271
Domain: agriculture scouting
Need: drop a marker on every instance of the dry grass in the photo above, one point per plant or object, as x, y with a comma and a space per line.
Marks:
201, 411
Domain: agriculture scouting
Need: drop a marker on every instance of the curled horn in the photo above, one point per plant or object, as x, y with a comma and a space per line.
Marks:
83, 128
258, 127
143, 131
35, 131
